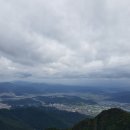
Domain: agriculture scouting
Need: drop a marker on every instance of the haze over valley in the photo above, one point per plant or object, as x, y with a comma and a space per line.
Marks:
85, 100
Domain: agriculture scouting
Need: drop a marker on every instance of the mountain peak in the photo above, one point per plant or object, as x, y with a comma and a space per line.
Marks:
112, 119
111, 112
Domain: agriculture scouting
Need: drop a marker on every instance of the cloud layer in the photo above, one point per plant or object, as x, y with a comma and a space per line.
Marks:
41, 39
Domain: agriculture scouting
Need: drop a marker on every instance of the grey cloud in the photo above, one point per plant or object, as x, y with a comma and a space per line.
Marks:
64, 39
24, 75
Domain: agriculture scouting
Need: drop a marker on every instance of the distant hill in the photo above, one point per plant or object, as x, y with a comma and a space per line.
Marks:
122, 97
113, 119
32, 118
20, 88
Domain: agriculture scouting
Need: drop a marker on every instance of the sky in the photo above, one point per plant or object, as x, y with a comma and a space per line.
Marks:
70, 40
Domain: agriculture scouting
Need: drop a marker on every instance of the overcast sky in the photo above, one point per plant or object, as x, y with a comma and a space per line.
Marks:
64, 39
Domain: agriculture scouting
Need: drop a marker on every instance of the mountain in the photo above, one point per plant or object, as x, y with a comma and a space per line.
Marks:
21, 88
122, 97
45, 118
37, 118
112, 119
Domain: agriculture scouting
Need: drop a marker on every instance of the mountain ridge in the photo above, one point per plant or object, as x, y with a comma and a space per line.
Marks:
37, 118
112, 119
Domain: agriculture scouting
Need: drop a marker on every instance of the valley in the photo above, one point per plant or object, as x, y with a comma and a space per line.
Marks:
88, 101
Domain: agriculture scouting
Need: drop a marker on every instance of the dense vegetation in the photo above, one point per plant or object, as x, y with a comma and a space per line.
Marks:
42, 118
37, 118
113, 119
